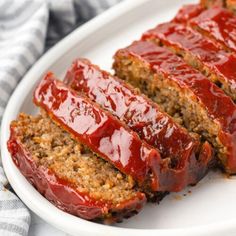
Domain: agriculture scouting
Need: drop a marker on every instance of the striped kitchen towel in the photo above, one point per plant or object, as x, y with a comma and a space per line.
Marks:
27, 29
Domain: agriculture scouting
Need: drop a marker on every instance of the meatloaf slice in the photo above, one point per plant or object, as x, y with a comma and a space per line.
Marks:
187, 12
182, 91
68, 174
219, 24
188, 159
199, 52
104, 134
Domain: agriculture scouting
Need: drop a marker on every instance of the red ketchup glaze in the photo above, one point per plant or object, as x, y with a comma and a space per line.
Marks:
188, 12
99, 130
144, 117
62, 193
185, 39
219, 24
218, 105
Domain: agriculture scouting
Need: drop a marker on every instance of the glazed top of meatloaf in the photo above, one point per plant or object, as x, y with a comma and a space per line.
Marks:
223, 110
137, 111
185, 89
184, 38
99, 130
188, 12
219, 24
186, 160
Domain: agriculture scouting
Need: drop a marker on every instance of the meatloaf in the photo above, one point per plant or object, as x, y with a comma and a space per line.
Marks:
219, 24
184, 92
199, 52
186, 158
68, 174
188, 12
104, 134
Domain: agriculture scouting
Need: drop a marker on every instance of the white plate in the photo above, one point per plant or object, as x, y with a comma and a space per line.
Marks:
210, 208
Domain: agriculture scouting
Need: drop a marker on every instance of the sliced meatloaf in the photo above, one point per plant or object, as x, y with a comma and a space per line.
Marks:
68, 174
216, 23
187, 160
188, 12
199, 52
184, 92
104, 134
219, 24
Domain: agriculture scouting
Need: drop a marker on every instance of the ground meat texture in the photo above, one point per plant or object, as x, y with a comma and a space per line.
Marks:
199, 52
184, 93
188, 159
95, 187
103, 133
213, 3
231, 5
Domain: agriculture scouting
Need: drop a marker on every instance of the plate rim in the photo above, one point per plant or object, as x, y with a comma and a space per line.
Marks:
64, 45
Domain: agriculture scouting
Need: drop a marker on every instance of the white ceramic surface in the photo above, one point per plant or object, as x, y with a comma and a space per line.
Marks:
39, 227
207, 209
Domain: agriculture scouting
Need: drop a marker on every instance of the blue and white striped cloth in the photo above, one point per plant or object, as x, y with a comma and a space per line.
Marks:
27, 29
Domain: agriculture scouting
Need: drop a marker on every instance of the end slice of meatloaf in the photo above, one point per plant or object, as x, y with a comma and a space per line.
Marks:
182, 91
68, 174
100, 131
219, 24
199, 52
187, 161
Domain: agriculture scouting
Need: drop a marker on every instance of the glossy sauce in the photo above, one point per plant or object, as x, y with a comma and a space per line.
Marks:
185, 39
188, 12
219, 24
99, 130
62, 193
219, 106
139, 113
144, 117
